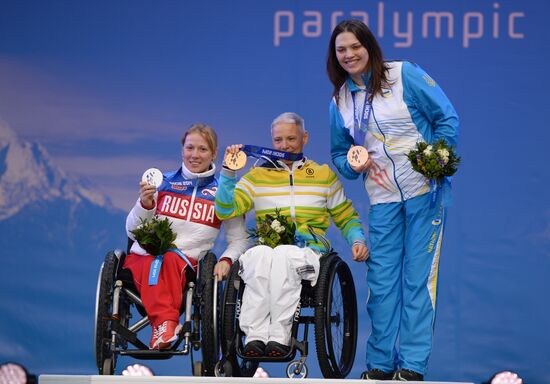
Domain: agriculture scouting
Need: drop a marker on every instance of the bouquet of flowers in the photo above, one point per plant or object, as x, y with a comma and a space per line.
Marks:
155, 235
273, 230
434, 161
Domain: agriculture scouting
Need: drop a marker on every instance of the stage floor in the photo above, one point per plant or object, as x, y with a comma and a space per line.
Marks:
96, 379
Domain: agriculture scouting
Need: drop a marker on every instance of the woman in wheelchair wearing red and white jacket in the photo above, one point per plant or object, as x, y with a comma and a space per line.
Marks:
186, 198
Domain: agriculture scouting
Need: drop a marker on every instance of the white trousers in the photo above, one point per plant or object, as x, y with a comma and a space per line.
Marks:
273, 278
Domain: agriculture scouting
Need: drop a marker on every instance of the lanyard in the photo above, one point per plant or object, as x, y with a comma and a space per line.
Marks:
273, 154
362, 121
154, 271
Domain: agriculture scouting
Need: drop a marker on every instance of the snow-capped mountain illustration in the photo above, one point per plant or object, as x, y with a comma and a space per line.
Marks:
54, 233
28, 174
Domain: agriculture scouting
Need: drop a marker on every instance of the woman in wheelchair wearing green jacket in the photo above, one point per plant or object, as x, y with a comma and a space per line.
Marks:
308, 194
186, 198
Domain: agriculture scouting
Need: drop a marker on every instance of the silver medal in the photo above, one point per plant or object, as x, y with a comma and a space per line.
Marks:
152, 176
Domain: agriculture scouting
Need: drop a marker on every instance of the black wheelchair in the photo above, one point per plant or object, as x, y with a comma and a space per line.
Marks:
334, 306
114, 329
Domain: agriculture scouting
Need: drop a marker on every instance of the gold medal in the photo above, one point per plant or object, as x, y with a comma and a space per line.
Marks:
235, 161
358, 156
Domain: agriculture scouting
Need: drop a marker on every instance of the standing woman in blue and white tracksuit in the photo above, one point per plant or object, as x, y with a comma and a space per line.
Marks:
388, 107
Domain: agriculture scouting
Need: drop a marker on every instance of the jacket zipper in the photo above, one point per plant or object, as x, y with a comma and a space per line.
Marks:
389, 157
192, 201
292, 210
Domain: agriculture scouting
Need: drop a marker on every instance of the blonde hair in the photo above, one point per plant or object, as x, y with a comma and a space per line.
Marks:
290, 118
208, 134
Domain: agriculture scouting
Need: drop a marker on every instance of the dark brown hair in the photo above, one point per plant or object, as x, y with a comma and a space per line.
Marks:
376, 64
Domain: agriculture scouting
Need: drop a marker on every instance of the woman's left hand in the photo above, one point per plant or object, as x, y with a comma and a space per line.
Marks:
360, 252
221, 269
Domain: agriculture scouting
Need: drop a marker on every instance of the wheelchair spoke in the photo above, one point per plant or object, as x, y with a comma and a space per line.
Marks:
337, 326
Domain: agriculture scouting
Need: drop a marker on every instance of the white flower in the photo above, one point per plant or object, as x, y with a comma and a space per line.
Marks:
444, 155
428, 150
277, 227
443, 152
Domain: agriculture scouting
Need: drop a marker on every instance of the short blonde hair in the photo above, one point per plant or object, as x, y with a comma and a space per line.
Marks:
290, 118
207, 132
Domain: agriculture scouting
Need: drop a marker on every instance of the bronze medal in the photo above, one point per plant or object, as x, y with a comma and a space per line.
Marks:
358, 156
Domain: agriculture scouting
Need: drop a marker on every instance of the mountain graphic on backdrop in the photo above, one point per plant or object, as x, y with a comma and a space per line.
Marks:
27, 175
54, 233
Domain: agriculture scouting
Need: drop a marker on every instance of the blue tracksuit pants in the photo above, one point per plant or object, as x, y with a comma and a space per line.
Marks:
402, 276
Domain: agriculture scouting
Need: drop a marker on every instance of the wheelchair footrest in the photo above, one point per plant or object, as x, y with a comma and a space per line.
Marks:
279, 359
295, 346
127, 334
151, 354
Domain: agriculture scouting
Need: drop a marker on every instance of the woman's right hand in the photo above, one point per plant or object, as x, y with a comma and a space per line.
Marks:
147, 195
233, 148
362, 168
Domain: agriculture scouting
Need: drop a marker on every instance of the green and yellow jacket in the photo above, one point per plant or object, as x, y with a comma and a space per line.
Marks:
309, 193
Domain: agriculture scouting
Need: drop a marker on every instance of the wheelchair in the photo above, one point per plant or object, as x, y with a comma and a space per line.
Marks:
114, 329
334, 305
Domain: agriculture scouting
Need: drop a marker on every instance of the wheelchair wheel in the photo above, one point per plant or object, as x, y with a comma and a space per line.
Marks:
108, 366
209, 316
230, 310
335, 318
197, 368
105, 359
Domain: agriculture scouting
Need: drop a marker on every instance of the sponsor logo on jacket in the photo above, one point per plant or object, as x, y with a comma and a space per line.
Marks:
177, 186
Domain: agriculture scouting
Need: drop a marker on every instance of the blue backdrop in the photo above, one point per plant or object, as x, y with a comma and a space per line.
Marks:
93, 93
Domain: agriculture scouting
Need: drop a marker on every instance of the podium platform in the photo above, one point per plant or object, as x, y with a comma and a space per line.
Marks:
97, 379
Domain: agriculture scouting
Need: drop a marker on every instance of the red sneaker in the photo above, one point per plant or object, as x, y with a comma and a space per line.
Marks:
165, 334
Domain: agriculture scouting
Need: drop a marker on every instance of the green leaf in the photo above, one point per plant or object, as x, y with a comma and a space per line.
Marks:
155, 235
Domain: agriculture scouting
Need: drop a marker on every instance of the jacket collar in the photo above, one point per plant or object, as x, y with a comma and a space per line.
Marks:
207, 175
280, 165
353, 87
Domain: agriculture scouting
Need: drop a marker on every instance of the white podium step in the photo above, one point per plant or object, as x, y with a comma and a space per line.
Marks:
96, 379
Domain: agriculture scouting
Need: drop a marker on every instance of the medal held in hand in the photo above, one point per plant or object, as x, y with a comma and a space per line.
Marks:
357, 156
235, 161
238, 160
152, 176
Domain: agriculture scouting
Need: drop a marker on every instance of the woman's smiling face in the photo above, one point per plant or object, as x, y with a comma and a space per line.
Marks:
351, 55
196, 153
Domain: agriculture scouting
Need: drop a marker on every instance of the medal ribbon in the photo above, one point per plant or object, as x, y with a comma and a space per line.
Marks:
154, 272
434, 192
441, 187
363, 121
273, 154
